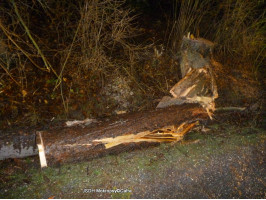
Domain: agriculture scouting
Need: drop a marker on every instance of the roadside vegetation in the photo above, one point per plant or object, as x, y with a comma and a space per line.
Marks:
86, 59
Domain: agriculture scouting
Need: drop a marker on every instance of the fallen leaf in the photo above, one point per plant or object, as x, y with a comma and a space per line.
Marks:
24, 93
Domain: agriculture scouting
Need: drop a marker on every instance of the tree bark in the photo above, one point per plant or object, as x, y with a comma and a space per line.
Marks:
17, 146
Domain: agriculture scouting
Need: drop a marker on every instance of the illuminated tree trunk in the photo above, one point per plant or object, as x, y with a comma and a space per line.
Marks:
119, 134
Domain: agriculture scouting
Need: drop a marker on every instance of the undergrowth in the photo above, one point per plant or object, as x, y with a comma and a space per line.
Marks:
236, 26
58, 57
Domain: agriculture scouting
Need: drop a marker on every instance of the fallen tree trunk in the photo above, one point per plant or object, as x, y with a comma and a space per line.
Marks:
125, 132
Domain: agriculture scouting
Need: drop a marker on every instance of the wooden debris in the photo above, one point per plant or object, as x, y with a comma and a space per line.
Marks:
170, 101
230, 109
84, 122
165, 134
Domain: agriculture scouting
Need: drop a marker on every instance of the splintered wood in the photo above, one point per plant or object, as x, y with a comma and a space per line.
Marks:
166, 134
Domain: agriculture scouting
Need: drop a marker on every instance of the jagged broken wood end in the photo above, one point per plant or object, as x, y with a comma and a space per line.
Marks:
198, 86
165, 134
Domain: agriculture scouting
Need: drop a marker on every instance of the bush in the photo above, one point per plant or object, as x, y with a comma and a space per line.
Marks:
55, 52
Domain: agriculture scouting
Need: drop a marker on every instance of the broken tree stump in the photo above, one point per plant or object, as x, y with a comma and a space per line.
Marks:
129, 131
198, 83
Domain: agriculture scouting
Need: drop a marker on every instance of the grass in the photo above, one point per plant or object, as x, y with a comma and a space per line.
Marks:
187, 17
240, 33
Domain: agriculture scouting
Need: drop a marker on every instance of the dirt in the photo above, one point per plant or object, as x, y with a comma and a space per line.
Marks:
222, 160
